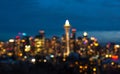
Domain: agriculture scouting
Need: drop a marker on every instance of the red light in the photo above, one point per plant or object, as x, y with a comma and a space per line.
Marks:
41, 31
115, 57
17, 37
73, 30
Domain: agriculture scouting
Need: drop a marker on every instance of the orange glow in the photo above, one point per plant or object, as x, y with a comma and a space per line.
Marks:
76, 63
80, 67
86, 67
114, 57
23, 40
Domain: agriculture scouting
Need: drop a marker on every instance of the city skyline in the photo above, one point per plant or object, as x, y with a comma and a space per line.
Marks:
30, 16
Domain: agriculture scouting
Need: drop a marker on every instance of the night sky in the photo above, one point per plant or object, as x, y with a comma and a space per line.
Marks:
99, 17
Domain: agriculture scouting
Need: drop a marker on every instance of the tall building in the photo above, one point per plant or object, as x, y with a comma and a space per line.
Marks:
67, 29
74, 33
40, 41
73, 41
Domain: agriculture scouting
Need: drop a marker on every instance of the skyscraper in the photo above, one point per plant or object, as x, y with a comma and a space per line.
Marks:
40, 41
67, 29
74, 38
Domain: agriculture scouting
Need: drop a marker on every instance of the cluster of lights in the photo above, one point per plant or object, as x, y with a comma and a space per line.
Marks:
27, 48
38, 43
83, 67
108, 55
44, 60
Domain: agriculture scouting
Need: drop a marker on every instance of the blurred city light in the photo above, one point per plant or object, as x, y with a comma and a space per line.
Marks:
84, 54
52, 56
27, 48
106, 56
45, 60
85, 34
114, 57
94, 69
25, 57
24, 34
33, 60
92, 38
11, 40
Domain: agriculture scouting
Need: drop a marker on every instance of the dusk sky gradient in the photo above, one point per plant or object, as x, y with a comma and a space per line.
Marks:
85, 15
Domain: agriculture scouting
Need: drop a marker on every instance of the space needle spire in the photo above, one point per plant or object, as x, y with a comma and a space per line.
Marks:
67, 29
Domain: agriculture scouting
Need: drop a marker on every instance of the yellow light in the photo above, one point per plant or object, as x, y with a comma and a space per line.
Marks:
118, 66
45, 60
106, 56
94, 69
4, 50
90, 59
89, 47
81, 71
92, 38
9, 54
96, 44
38, 45
64, 59
105, 66
110, 56
86, 67
20, 54
94, 73
27, 48
117, 46
80, 67
76, 62
1, 45
112, 63
23, 40
36, 39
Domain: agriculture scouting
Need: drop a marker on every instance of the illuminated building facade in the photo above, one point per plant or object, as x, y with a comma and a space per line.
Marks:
73, 40
67, 28
39, 42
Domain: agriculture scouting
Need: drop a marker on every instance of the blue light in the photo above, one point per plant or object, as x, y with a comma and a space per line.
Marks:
24, 34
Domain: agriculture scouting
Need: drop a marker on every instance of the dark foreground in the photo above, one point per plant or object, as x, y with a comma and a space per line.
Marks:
47, 68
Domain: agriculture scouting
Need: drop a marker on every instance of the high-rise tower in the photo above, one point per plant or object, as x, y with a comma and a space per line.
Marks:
40, 41
74, 38
67, 29
74, 34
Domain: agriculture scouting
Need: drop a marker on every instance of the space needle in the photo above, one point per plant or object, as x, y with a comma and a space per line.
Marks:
67, 29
